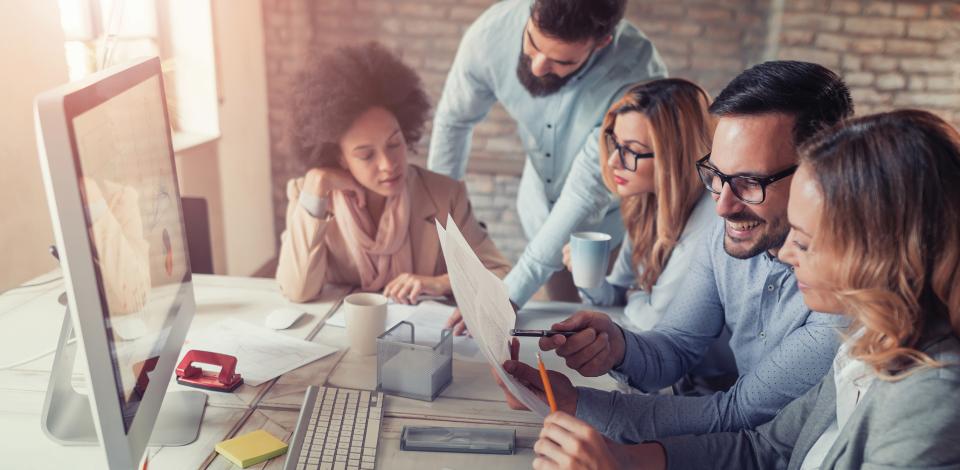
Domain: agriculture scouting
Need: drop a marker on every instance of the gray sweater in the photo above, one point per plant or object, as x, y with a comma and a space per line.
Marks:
910, 424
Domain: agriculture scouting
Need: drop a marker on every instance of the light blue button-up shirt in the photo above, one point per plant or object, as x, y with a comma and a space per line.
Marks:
561, 190
644, 309
781, 348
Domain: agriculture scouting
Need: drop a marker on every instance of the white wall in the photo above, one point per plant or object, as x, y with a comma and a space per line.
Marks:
244, 148
31, 60
233, 172
199, 176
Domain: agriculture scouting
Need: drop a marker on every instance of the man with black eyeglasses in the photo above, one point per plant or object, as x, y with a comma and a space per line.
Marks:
781, 348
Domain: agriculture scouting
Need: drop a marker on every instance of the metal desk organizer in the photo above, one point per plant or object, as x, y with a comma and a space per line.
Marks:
412, 370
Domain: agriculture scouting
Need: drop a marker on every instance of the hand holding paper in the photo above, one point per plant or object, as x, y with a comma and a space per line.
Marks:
485, 305
564, 392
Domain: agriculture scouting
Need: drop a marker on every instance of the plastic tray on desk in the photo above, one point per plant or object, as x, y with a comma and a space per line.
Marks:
408, 369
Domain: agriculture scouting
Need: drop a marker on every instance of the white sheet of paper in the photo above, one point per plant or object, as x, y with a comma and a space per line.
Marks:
261, 353
428, 319
523, 393
484, 302
396, 313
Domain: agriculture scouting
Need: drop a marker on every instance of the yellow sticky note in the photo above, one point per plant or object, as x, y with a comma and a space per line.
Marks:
251, 448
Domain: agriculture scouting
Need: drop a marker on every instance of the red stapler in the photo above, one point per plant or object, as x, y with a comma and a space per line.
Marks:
192, 376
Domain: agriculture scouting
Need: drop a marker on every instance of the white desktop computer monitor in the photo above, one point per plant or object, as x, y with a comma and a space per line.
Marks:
111, 183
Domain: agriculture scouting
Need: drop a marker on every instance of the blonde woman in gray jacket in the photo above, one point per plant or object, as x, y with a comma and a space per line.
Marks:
874, 210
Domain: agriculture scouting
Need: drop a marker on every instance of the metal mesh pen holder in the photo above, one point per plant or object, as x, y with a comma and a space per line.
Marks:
413, 370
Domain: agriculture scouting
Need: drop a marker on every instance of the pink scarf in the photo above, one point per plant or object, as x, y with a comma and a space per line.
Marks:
383, 255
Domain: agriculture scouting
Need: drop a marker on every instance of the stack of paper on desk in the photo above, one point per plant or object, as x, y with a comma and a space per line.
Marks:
485, 305
261, 353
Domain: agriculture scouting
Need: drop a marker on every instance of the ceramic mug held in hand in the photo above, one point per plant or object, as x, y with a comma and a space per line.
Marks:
590, 254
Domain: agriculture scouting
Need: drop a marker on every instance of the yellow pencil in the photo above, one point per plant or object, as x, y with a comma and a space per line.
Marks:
546, 384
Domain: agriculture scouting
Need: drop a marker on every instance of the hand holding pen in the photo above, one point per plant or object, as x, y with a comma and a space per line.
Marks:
547, 387
590, 342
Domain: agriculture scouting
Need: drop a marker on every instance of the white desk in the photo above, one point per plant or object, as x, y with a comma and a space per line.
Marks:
30, 321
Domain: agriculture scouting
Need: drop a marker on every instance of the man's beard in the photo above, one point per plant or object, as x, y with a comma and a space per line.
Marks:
773, 237
539, 86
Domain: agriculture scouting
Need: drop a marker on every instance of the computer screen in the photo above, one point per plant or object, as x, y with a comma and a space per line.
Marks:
126, 176
111, 181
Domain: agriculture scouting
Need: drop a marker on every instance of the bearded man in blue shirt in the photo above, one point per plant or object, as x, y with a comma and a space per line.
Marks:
555, 66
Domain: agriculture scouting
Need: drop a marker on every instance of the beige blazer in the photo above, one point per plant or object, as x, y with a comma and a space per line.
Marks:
313, 253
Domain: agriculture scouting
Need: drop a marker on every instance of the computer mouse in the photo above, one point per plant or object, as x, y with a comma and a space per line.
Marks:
282, 318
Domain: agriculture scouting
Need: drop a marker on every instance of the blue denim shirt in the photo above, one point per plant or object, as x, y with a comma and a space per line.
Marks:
561, 190
781, 348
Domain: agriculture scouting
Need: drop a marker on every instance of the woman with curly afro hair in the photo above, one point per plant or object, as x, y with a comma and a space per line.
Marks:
362, 215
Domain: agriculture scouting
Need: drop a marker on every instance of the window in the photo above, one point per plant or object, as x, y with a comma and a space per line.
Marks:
101, 33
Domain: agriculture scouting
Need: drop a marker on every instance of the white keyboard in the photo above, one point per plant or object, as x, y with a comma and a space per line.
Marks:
338, 428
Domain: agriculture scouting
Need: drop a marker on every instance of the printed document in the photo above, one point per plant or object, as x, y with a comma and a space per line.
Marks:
261, 353
484, 302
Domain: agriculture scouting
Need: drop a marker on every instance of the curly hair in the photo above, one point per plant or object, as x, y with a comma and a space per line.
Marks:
335, 88
891, 199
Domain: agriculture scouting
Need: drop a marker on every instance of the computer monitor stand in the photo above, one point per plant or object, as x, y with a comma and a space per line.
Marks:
67, 418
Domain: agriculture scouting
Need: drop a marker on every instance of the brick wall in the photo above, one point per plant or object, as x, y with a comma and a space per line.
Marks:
706, 41
893, 54
426, 34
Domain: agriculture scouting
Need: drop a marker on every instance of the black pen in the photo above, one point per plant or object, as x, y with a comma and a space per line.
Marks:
540, 333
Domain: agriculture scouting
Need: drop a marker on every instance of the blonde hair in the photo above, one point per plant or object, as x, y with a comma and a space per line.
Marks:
681, 133
891, 200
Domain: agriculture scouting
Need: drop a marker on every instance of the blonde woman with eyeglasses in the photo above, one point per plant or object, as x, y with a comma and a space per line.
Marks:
651, 139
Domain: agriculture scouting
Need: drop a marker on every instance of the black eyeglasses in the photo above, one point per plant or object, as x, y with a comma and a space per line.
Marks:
625, 152
749, 189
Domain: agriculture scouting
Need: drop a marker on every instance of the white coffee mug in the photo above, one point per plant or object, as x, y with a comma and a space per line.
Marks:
366, 316
590, 256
